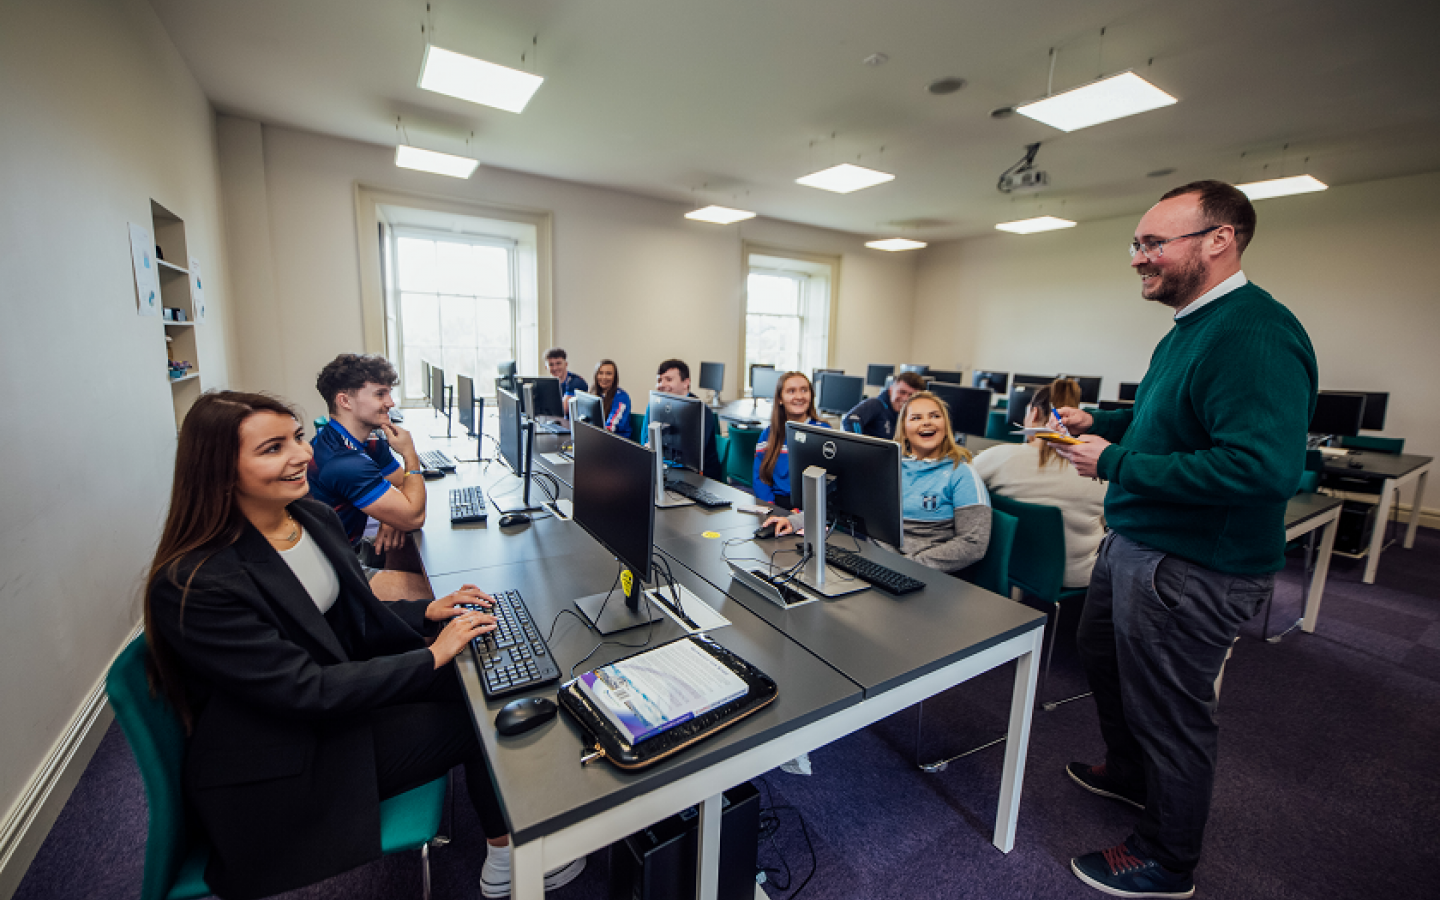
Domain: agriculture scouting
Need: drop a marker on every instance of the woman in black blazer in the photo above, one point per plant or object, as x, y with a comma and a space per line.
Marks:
307, 701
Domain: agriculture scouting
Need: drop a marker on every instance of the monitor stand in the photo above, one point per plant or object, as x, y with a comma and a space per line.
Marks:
816, 575
608, 613
663, 498
504, 506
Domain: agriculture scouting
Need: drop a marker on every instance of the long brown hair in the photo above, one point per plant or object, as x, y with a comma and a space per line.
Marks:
607, 397
203, 515
948, 448
1058, 393
777, 427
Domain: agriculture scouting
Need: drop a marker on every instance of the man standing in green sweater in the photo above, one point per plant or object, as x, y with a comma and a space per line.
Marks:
1200, 469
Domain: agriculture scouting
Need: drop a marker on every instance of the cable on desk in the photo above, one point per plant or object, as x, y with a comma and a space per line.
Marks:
649, 630
659, 562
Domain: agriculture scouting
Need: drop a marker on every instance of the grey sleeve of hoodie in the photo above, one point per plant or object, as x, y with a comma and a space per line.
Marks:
950, 546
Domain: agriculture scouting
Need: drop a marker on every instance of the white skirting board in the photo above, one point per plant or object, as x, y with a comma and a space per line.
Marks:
29, 821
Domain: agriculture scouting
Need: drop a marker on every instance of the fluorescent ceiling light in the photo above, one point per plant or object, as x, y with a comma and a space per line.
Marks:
895, 244
407, 157
719, 215
844, 178
1100, 101
1031, 226
1282, 187
457, 75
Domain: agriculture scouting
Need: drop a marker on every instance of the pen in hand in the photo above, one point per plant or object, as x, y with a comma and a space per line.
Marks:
1060, 422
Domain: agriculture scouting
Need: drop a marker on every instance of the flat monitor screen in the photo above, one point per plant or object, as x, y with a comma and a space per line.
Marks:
425, 378
862, 475
614, 498
437, 389
1019, 403
916, 368
875, 374
589, 409
1089, 387
1338, 413
1128, 389
506, 371
999, 382
763, 381
1036, 380
1375, 404
755, 367
683, 440
816, 373
465, 401
512, 435
712, 376
969, 407
545, 392
838, 394
947, 377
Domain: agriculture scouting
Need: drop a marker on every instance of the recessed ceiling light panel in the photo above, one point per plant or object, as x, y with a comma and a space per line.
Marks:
407, 157
1105, 100
719, 215
1282, 187
894, 245
1035, 225
457, 75
844, 178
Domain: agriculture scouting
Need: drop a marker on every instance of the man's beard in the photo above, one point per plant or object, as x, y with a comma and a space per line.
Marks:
1178, 286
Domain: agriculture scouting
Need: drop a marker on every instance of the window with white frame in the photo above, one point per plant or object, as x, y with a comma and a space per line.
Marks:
787, 312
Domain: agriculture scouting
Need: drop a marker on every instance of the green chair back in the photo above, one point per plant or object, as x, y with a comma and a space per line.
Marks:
1309, 483
740, 461
992, 572
722, 447
997, 428
1037, 564
637, 426
1392, 446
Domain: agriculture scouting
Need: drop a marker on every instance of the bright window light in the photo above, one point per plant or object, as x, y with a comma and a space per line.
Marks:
457, 75
1282, 187
1032, 226
407, 157
1100, 101
844, 178
895, 244
719, 215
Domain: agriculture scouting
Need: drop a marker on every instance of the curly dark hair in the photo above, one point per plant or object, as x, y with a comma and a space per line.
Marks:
350, 372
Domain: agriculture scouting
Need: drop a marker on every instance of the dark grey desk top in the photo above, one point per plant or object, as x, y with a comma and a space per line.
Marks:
1303, 507
877, 640
1375, 466
538, 774
746, 411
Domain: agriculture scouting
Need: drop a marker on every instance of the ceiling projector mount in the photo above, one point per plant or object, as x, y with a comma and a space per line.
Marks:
1023, 177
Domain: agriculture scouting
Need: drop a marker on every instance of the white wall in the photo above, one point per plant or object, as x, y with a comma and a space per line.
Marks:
99, 116
633, 280
1357, 264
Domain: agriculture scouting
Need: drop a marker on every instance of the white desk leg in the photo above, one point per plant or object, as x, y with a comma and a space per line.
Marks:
1416, 505
1017, 743
1317, 578
527, 872
707, 864
1377, 535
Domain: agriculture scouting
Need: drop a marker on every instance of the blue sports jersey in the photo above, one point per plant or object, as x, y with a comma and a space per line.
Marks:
349, 474
781, 481
571, 384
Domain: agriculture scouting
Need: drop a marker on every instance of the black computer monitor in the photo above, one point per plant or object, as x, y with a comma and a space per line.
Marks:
512, 431
1338, 414
1036, 380
1089, 387
465, 401
763, 381
754, 367
863, 474
1018, 405
916, 368
945, 376
816, 373
712, 376
999, 382
1128, 389
425, 378
589, 409
614, 502
838, 394
876, 373
1375, 405
545, 393
969, 407
683, 440
506, 371
437, 390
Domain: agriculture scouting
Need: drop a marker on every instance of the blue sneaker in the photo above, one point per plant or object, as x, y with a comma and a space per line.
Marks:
1121, 873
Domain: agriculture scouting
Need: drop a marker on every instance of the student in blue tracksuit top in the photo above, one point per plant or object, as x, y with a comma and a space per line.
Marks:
559, 366
614, 401
794, 402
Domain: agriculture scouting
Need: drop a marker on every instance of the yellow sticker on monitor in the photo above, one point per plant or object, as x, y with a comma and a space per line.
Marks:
627, 581
710, 534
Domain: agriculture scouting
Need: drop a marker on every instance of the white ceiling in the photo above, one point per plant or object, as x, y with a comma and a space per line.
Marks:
729, 101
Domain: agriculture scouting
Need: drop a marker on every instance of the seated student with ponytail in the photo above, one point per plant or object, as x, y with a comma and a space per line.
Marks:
614, 401
1034, 473
794, 402
945, 506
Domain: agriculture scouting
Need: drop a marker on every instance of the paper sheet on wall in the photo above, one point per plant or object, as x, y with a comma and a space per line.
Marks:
147, 285
197, 290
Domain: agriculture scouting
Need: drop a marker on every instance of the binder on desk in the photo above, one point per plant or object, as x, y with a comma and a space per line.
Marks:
634, 733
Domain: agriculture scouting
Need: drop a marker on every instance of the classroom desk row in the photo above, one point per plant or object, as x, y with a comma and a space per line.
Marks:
840, 666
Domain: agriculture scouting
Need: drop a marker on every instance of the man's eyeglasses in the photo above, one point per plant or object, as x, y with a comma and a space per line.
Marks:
1153, 250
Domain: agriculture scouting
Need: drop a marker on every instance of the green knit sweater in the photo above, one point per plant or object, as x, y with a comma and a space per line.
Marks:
1204, 462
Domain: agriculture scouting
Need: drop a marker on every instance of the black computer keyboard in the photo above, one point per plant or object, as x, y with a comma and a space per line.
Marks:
888, 580
702, 497
467, 506
513, 657
434, 459
551, 427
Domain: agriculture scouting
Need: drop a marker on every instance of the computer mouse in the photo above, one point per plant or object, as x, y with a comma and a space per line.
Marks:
1355, 464
431, 474
765, 532
512, 519
519, 716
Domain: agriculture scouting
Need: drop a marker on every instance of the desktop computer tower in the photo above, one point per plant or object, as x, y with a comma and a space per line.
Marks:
1357, 522
659, 862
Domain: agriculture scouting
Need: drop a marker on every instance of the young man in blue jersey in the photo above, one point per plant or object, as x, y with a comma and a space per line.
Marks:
876, 416
559, 366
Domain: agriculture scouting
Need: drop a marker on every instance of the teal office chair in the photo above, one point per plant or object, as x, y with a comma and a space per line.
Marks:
637, 426
1037, 568
991, 572
174, 862
722, 447
740, 461
997, 428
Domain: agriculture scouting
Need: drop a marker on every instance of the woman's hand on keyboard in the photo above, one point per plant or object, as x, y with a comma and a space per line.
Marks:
452, 605
458, 632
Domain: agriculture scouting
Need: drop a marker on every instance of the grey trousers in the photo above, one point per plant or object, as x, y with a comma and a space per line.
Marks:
1153, 635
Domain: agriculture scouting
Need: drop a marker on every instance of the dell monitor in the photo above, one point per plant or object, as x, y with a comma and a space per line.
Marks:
1375, 404
465, 401
1128, 389
545, 392
614, 487
589, 409
875, 374
838, 394
1089, 387
437, 390
506, 371
816, 373
969, 407
1036, 380
1018, 405
425, 378
947, 377
1338, 414
754, 367
999, 382
712, 376
682, 443
516, 448
858, 481
763, 381
916, 368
